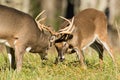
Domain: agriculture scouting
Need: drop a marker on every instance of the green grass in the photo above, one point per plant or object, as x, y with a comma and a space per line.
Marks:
34, 69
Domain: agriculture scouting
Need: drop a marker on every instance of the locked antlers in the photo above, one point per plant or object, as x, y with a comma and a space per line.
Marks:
67, 30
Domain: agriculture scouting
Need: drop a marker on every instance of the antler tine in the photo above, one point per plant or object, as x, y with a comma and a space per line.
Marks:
66, 32
65, 19
71, 25
42, 19
39, 15
68, 29
38, 21
48, 29
40, 26
64, 29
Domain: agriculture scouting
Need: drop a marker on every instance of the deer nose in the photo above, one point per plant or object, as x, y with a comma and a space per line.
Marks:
62, 59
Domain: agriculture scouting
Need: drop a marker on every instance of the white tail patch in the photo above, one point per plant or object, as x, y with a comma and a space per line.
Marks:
28, 49
7, 44
3, 41
10, 57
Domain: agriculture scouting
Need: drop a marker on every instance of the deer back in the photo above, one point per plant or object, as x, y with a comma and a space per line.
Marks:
16, 26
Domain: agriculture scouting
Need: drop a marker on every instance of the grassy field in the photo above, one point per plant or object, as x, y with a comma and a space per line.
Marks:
34, 69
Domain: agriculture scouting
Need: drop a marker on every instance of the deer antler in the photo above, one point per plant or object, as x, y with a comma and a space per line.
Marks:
42, 26
39, 20
36, 19
50, 30
42, 19
65, 19
69, 28
66, 30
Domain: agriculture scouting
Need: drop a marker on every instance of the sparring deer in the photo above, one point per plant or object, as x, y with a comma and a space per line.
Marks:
89, 29
21, 33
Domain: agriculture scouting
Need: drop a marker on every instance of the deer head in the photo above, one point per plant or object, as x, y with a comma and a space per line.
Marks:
62, 34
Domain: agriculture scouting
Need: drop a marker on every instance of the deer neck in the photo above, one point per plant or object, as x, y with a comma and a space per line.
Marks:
42, 43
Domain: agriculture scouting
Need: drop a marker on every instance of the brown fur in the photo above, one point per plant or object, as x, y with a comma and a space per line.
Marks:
21, 31
88, 23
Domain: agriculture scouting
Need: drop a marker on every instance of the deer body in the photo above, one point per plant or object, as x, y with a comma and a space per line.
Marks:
90, 28
20, 33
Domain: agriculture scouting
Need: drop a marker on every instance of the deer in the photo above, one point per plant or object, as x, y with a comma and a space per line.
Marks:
89, 28
21, 33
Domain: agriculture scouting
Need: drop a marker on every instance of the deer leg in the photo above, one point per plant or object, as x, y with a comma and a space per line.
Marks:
108, 48
11, 56
19, 51
59, 52
99, 48
80, 57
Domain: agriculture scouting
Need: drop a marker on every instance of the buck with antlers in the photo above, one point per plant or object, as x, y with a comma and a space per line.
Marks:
88, 28
20, 33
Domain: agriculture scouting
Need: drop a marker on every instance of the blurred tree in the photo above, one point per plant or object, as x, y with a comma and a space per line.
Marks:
115, 20
26, 6
70, 9
114, 11
54, 8
35, 7
49, 6
22, 5
76, 6
97, 4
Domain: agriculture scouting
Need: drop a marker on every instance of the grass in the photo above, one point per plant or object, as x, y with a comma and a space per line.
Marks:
34, 69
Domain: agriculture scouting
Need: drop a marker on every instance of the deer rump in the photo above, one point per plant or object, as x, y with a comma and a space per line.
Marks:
90, 30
